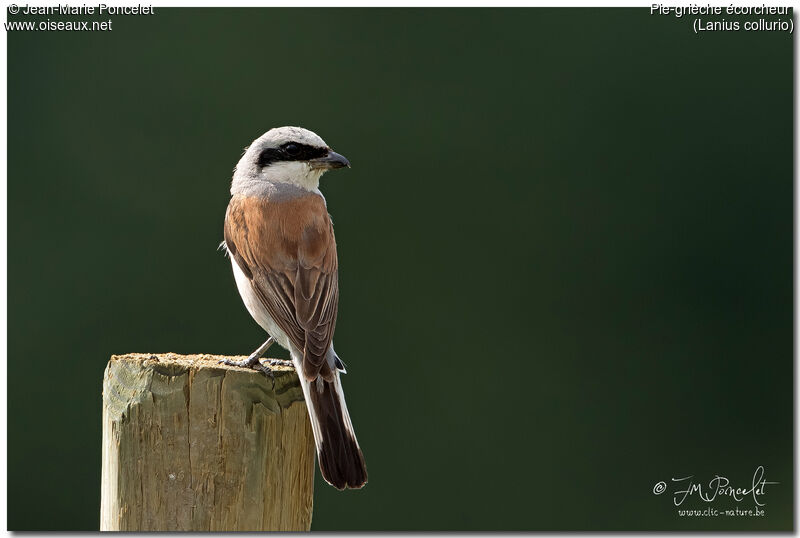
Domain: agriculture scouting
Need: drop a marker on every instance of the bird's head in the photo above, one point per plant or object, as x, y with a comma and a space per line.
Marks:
286, 155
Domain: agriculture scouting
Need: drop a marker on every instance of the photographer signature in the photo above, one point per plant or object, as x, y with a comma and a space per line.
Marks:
719, 486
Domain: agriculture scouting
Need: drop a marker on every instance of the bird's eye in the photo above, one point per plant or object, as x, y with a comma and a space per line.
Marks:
291, 149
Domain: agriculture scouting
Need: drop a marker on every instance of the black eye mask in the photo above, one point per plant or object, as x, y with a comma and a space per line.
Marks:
290, 151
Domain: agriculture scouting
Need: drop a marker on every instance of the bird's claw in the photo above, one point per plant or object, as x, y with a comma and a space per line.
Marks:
249, 362
252, 363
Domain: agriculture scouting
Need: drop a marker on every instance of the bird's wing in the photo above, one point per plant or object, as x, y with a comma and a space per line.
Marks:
287, 250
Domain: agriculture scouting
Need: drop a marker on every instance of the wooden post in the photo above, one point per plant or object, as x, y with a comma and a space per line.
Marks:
193, 445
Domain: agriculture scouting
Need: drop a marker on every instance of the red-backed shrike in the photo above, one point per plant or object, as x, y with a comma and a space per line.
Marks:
280, 240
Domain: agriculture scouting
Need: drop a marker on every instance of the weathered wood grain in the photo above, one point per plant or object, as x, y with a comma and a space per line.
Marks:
189, 444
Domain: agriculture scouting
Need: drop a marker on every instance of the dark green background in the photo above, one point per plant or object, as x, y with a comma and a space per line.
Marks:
565, 250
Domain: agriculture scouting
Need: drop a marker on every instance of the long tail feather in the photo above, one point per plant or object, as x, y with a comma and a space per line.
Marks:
340, 458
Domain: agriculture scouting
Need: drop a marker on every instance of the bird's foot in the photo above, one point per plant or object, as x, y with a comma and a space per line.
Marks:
253, 363
279, 362
249, 362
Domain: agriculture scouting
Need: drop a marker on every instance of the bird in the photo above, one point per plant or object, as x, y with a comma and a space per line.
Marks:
279, 237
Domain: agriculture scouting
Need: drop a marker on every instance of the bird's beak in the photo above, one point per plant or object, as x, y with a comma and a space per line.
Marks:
330, 161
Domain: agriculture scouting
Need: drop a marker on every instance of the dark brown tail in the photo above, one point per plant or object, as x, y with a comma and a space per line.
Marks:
340, 458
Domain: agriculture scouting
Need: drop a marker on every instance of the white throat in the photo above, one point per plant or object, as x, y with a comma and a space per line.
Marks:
251, 182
